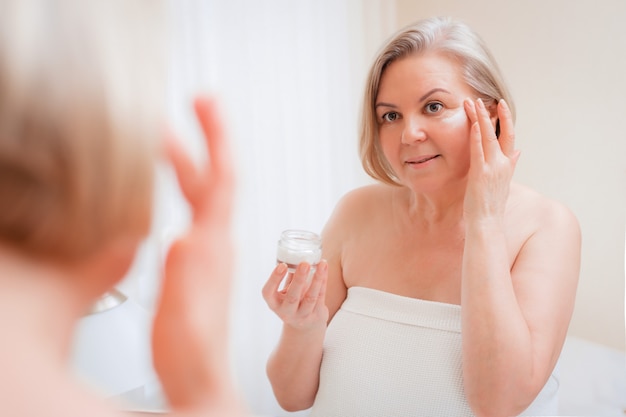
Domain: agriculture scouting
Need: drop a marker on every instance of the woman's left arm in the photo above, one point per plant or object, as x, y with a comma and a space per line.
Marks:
514, 318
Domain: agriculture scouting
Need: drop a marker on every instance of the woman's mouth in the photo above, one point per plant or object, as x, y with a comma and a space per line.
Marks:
421, 159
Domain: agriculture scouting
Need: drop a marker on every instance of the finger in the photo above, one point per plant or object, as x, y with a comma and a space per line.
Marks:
186, 171
288, 281
213, 132
488, 135
477, 154
295, 291
476, 147
311, 298
270, 288
220, 166
215, 204
507, 130
470, 110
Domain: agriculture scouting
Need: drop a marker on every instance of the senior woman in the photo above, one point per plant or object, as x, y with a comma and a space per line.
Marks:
446, 289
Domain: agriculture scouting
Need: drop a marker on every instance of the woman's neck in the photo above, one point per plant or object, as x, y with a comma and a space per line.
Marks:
434, 209
40, 303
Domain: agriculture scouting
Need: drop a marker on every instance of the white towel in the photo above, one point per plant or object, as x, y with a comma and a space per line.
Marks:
389, 355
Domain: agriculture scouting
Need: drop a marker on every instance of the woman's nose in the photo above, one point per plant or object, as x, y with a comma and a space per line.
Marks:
413, 131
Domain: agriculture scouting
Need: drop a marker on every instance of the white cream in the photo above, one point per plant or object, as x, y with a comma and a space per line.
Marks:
456, 117
296, 246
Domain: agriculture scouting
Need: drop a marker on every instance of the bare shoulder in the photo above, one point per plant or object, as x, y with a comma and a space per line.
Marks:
353, 215
538, 212
547, 241
365, 194
357, 206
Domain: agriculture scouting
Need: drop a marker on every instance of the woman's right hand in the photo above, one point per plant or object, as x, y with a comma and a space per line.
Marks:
190, 333
300, 305
293, 367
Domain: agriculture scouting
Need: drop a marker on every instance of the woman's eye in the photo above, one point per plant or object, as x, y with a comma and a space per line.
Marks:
390, 117
433, 107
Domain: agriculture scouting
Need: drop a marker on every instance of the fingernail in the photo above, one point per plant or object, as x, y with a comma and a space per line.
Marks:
281, 268
504, 105
480, 103
323, 265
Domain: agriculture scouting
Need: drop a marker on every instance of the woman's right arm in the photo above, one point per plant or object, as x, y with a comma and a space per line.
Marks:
306, 309
293, 367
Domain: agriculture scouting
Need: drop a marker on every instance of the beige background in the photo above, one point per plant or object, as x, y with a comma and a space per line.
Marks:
565, 62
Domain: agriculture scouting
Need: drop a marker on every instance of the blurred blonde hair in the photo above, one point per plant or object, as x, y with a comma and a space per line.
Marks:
80, 107
440, 34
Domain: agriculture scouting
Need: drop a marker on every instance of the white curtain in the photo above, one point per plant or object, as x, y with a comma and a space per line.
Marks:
289, 75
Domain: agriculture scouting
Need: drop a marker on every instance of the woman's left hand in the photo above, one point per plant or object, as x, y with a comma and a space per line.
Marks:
492, 161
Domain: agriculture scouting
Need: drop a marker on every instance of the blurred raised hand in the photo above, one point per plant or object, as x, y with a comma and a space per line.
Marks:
190, 334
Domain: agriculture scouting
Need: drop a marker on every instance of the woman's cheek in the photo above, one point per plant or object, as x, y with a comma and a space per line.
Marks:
390, 144
457, 125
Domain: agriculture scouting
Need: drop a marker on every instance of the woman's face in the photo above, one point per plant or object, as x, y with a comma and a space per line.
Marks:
422, 125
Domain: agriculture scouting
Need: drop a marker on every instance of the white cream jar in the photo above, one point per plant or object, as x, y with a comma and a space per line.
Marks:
297, 246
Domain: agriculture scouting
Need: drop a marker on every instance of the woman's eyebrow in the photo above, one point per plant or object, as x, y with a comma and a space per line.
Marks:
433, 91
424, 97
383, 104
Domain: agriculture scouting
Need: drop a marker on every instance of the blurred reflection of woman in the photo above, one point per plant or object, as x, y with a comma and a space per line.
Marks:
80, 133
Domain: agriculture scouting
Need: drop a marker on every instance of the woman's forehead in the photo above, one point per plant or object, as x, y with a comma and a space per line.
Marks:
422, 72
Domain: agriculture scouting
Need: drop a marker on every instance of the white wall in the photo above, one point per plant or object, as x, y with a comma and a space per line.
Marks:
565, 62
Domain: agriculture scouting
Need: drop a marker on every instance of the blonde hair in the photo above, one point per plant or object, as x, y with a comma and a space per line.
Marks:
440, 34
79, 115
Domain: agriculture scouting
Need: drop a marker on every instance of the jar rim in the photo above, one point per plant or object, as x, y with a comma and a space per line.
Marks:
300, 237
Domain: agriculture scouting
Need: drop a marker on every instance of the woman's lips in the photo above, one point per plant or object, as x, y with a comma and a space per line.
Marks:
421, 159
